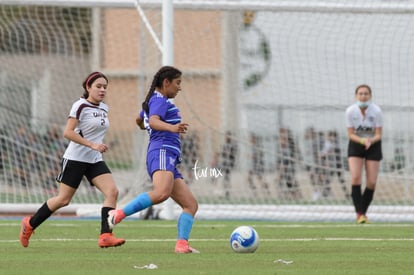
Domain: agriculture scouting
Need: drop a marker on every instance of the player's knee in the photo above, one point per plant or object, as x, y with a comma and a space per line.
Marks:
114, 193
195, 207
64, 202
356, 180
160, 197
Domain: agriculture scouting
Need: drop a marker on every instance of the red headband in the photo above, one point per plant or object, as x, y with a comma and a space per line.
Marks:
90, 77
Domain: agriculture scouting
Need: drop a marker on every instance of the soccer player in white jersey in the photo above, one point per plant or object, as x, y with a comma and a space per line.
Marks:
85, 129
364, 122
162, 119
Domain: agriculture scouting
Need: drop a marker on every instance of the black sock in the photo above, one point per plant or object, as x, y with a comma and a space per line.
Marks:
367, 199
104, 220
42, 214
357, 198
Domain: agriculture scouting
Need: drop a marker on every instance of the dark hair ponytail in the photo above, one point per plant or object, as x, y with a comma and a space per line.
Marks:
87, 83
165, 72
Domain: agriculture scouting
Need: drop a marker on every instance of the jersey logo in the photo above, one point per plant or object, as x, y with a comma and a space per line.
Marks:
364, 129
97, 114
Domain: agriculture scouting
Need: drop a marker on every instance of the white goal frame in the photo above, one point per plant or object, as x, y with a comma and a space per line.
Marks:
377, 6
210, 211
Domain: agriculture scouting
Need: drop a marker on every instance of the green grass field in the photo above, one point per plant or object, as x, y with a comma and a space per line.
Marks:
69, 246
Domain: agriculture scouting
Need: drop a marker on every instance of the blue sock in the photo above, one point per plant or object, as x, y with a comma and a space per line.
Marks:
141, 202
185, 223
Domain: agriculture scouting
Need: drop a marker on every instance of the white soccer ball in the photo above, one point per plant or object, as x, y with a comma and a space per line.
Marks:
244, 239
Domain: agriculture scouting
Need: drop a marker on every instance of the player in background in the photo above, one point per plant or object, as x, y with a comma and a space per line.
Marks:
227, 163
364, 123
332, 158
85, 129
162, 120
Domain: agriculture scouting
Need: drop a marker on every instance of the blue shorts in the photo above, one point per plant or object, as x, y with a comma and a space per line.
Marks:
163, 160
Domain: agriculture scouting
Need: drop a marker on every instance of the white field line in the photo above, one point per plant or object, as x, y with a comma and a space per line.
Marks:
304, 225
224, 240
255, 225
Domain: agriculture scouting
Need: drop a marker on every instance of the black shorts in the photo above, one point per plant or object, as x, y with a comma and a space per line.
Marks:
358, 150
73, 171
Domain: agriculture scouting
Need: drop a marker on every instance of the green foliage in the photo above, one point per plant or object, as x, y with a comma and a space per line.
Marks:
69, 246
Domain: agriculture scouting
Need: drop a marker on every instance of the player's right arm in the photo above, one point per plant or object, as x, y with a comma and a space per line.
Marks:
70, 134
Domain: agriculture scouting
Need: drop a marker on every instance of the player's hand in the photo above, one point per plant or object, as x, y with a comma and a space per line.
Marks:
100, 147
368, 143
140, 122
182, 128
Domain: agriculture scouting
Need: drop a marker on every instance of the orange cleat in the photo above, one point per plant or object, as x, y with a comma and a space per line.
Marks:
109, 240
182, 246
26, 231
361, 219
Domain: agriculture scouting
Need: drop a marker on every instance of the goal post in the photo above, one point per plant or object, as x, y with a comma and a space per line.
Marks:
265, 85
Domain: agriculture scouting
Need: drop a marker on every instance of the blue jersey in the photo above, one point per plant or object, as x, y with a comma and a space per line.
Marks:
160, 105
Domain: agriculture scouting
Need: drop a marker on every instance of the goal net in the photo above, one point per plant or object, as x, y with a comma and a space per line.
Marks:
265, 88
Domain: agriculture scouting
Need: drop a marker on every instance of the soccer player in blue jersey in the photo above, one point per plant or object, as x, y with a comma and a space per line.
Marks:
85, 129
162, 120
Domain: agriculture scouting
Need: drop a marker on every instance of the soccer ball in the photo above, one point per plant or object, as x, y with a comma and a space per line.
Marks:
244, 239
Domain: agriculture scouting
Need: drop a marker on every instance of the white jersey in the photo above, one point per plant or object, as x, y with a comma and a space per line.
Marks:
92, 125
364, 126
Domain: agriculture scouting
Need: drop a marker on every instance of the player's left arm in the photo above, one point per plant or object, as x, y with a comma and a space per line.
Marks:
156, 123
378, 130
377, 136
140, 122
